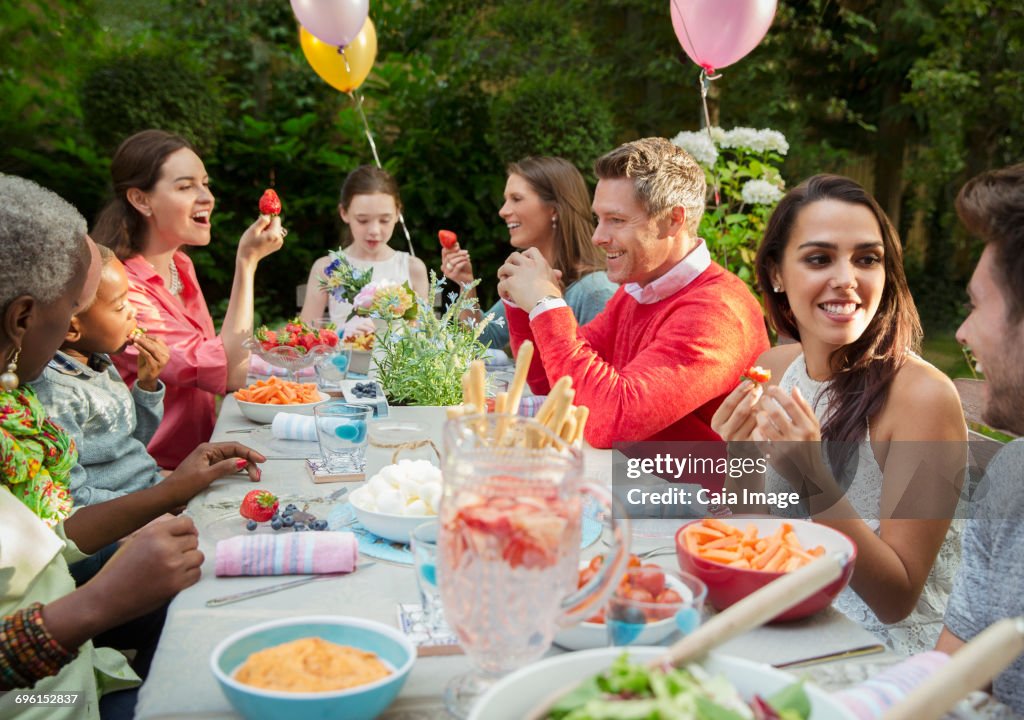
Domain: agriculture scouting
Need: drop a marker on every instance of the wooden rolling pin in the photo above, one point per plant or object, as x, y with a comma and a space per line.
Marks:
972, 667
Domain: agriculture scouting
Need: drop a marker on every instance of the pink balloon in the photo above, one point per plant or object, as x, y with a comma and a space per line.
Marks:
717, 33
335, 22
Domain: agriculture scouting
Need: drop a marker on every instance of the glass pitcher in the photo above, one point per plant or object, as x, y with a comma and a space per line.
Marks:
509, 544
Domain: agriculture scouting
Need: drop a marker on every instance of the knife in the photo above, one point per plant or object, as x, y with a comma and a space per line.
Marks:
237, 597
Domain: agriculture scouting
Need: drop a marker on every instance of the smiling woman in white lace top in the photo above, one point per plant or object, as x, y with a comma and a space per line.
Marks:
889, 472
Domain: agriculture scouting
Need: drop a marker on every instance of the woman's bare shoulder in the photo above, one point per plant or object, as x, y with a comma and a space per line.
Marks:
779, 358
922, 396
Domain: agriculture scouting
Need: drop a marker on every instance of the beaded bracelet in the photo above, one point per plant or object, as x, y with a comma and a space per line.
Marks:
27, 650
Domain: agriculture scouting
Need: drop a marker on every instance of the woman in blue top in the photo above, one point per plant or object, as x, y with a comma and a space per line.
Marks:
547, 206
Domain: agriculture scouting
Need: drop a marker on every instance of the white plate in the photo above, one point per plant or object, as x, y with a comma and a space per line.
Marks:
512, 697
378, 403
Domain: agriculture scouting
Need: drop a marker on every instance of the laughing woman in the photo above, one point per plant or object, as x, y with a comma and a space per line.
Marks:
830, 269
547, 206
162, 203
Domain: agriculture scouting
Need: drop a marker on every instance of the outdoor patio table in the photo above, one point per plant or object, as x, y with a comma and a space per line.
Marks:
181, 684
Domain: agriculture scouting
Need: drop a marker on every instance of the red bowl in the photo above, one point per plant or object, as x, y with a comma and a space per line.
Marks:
728, 585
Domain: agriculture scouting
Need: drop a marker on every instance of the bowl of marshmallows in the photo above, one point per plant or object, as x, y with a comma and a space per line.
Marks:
398, 498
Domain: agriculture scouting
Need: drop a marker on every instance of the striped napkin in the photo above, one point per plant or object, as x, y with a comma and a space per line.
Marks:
292, 426
287, 553
870, 699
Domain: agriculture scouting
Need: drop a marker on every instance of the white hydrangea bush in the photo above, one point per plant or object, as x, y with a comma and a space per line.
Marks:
745, 184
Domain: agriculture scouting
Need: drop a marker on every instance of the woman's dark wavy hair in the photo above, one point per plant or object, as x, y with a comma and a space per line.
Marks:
864, 369
136, 164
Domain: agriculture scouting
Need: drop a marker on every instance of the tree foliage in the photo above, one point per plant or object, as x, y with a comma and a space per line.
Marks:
929, 91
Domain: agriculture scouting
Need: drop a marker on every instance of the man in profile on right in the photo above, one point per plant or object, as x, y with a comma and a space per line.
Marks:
990, 583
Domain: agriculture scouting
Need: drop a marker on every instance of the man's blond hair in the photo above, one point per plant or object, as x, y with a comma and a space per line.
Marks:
664, 176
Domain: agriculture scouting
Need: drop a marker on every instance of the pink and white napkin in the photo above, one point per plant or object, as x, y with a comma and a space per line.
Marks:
291, 553
870, 699
260, 367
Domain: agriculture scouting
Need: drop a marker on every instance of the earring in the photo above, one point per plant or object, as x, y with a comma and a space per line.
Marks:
777, 288
554, 221
9, 380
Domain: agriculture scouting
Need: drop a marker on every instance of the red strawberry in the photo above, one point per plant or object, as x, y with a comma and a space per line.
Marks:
448, 239
258, 505
329, 338
270, 203
757, 374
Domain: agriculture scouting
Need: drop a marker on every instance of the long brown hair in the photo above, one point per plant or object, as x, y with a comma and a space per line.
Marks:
367, 180
136, 164
867, 366
558, 183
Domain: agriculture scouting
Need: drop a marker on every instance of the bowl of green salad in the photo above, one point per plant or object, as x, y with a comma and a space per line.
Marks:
616, 683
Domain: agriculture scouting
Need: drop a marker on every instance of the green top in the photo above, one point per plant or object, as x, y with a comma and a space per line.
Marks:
39, 558
36, 456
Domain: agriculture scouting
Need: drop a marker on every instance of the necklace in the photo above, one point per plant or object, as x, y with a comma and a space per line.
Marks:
176, 285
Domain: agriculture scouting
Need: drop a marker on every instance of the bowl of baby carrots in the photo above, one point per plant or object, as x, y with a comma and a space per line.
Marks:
264, 399
736, 556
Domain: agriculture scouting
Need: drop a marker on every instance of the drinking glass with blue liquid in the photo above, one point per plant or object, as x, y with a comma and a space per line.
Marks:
332, 367
341, 430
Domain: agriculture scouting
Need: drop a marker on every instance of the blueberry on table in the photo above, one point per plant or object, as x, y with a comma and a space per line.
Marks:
251, 525
276, 524
287, 521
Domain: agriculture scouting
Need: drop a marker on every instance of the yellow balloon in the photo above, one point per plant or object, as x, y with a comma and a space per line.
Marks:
329, 64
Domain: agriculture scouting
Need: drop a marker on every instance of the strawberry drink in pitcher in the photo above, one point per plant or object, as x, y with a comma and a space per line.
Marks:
509, 545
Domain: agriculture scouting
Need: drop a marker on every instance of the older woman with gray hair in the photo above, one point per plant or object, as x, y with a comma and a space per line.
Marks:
49, 268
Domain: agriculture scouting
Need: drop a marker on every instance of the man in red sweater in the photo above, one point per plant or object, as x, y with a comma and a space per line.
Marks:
678, 333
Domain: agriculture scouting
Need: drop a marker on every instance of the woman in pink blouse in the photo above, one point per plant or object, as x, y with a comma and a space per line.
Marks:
162, 203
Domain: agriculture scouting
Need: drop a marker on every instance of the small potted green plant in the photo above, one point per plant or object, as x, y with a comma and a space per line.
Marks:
422, 362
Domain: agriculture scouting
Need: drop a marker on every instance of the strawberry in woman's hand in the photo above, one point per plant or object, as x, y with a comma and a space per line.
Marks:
757, 374
270, 203
448, 239
258, 505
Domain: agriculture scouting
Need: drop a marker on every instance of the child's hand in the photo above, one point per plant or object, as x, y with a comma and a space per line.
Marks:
358, 326
153, 356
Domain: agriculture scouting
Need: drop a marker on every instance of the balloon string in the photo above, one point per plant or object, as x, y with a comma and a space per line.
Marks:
357, 99
705, 84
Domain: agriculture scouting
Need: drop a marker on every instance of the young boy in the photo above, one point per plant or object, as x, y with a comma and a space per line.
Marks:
85, 394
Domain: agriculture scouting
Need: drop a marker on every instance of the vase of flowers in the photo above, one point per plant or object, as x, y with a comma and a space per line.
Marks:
423, 362
344, 281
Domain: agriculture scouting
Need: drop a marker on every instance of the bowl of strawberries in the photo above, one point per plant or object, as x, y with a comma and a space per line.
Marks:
295, 346
650, 604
